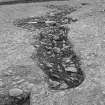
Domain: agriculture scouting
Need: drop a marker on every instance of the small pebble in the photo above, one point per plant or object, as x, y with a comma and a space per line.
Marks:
1, 83
30, 86
15, 92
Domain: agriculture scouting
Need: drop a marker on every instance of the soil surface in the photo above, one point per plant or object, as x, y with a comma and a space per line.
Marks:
22, 82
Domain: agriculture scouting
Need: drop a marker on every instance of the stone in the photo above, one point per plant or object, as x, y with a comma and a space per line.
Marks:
15, 92
1, 83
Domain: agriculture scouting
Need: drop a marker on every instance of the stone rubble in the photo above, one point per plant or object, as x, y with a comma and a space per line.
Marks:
15, 92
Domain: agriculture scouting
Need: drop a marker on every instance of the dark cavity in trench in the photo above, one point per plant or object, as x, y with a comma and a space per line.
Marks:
55, 54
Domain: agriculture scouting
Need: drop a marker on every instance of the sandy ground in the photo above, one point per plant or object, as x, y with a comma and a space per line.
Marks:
87, 35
